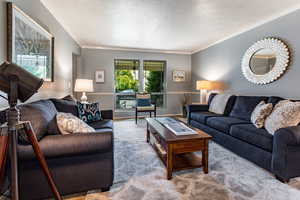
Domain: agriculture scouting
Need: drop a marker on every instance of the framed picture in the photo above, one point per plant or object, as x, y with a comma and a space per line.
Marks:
99, 76
178, 76
28, 44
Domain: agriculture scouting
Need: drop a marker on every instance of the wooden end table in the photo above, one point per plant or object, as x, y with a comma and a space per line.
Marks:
178, 152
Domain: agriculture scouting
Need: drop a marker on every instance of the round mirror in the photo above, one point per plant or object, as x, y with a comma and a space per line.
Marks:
262, 61
265, 61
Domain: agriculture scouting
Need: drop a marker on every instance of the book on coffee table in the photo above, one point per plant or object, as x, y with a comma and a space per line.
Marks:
178, 128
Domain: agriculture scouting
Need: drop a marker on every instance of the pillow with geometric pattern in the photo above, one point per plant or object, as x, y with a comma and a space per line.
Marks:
89, 112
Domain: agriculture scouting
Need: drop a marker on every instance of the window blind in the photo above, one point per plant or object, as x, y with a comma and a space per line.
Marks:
126, 64
154, 66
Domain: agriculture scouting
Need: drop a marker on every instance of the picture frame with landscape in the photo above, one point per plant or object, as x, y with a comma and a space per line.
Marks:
29, 45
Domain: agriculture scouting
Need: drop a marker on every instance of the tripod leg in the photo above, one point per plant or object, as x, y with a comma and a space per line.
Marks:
3, 157
12, 138
40, 156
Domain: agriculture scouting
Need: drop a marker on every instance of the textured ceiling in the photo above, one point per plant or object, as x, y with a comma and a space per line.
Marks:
169, 25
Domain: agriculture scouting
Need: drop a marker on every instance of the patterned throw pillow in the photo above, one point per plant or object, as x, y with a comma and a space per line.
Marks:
89, 112
68, 124
260, 113
218, 103
285, 113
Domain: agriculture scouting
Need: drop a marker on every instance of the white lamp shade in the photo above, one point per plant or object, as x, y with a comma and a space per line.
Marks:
84, 85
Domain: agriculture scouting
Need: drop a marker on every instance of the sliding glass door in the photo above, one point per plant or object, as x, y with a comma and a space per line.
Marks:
131, 77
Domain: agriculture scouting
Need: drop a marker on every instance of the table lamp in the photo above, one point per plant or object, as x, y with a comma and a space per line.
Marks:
84, 85
203, 86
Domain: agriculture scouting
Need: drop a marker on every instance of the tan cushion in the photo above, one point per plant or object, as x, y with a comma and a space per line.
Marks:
143, 96
286, 113
152, 107
218, 103
260, 113
68, 124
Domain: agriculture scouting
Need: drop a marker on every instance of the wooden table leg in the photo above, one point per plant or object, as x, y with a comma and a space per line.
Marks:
205, 158
169, 161
148, 134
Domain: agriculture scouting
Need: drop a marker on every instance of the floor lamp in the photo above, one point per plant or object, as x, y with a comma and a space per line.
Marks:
19, 84
203, 86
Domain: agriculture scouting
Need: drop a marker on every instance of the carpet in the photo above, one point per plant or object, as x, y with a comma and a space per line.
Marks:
140, 175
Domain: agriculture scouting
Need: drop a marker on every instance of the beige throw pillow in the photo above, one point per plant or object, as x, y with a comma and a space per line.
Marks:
218, 103
260, 113
286, 113
68, 124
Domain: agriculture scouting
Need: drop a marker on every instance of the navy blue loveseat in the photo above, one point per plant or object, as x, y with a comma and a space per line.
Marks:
278, 153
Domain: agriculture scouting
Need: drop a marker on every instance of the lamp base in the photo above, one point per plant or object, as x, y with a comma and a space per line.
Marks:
83, 98
203, 96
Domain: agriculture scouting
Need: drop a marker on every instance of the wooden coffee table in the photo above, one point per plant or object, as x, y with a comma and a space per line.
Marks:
178, 152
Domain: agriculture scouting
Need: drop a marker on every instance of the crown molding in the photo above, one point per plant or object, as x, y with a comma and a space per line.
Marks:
270, 19
137, 50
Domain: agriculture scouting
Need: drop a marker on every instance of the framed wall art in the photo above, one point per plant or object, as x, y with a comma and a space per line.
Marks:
178, 76
28, 44
99, 76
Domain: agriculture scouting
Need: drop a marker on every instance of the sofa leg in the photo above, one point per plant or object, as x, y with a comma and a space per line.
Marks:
105, 189
282, 179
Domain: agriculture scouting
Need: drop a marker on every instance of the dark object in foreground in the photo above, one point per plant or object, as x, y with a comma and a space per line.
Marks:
19, 84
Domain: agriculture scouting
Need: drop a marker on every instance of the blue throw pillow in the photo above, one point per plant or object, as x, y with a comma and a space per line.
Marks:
89, 112
143, 102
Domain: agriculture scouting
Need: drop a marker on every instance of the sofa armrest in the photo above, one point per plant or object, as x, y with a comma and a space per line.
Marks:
107, 114
286, 152
195, 108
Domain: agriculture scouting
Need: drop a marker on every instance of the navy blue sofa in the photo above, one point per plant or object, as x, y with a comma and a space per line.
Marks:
278, 153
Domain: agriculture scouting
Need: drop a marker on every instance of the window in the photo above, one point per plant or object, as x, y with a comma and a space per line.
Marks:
154, 76
126, 82
131, 78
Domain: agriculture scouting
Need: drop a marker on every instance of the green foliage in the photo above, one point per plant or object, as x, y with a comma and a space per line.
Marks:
125, 80
154, 81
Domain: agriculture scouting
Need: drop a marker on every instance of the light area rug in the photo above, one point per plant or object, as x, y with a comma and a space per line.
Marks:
140, 175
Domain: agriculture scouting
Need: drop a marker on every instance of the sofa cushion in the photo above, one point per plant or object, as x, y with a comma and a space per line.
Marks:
66, 106
274, 100
285, 114
202, 116
252, 135
224, 123
244, 106
218, 104
56, 146
89, 112
42, 115
211, 97
260, 113
69, 124
102, 124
